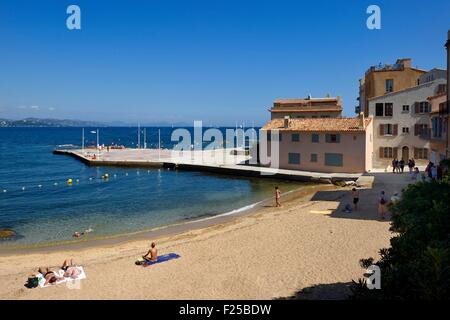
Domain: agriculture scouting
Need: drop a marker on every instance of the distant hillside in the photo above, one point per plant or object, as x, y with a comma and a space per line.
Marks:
35, 122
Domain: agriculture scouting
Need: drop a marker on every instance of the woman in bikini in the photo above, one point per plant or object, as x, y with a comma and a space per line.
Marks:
50, 276
70, 269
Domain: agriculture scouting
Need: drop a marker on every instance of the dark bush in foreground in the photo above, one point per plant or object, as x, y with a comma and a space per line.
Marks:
417, 265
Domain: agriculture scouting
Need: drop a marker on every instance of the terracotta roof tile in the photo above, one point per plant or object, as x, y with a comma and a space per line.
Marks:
318, 125
334, 109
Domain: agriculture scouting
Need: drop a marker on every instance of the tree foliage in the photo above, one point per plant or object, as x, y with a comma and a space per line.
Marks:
417, 265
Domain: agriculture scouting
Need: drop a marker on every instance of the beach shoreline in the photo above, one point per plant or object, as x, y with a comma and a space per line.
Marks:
168, 230
271, 253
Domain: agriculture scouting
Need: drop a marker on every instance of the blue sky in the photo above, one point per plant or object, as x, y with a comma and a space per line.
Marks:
218, 61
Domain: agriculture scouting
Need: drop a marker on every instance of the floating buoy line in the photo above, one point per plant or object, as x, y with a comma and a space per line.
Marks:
70, 182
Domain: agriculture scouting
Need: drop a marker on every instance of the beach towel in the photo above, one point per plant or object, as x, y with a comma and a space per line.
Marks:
60, 273
321, 211
163, 258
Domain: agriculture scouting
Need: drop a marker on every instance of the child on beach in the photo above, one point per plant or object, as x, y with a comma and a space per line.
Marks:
277, 197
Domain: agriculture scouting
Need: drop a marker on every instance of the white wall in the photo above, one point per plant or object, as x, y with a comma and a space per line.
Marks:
400, 98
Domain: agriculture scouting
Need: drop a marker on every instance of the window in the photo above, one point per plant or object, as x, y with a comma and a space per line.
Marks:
420, 129
379, 109
315, 138
294, 158
387, 152
313, 157
334, 159
389, 85
324, 116
437, 127
422, 107
405, 130
421, 153
295, 137
388, 129
405, 108
388, 109
333, 138
269, 136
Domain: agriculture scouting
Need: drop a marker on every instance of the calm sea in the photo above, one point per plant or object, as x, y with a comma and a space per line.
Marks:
37, 203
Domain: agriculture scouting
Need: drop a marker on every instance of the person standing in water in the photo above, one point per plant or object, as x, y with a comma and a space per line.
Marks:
355, 195
277, 197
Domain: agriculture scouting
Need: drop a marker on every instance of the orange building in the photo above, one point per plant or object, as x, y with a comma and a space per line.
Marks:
330, 145
383, 79
329, 107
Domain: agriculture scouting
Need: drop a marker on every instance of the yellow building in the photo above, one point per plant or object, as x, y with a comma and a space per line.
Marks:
383, 79
329, 107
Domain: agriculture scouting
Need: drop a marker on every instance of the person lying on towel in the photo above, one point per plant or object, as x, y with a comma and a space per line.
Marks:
70, 269
50, 276
152, 254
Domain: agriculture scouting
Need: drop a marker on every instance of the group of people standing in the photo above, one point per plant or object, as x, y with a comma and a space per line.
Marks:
398, 166
433, 171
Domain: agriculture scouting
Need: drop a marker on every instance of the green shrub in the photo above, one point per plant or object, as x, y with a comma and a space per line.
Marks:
417, 265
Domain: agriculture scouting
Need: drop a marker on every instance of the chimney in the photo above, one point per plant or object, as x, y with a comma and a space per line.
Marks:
406, 62
286, 122
362, 122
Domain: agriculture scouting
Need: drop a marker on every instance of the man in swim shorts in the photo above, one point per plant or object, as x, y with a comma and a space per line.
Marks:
152, 254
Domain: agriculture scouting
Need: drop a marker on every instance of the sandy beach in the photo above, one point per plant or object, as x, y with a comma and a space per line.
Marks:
270, 253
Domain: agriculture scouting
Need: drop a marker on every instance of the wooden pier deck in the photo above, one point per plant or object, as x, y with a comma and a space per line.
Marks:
220, 161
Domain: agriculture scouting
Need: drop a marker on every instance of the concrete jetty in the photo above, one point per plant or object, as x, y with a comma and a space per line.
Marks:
218, 161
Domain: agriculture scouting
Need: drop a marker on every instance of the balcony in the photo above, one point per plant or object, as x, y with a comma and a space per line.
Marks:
386, 67
425, 134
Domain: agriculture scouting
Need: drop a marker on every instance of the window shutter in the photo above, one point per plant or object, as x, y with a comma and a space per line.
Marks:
381, 129
416, 129
425, 153
395, 129
381, 152
395, 153
416, 107
415, 153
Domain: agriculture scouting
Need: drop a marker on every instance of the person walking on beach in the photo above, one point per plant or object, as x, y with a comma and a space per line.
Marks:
355, 195
402, 165
434, 172
152, 254
277, 197
411, 165
382, 204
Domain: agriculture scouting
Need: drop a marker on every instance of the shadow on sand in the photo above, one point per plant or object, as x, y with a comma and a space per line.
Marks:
332, 291
368, 197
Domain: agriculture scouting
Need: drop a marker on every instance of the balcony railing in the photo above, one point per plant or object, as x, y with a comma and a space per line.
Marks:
428, 134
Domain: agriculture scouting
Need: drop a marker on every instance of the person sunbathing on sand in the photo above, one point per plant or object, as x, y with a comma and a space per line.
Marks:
70, 269
50, 276
153, 253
